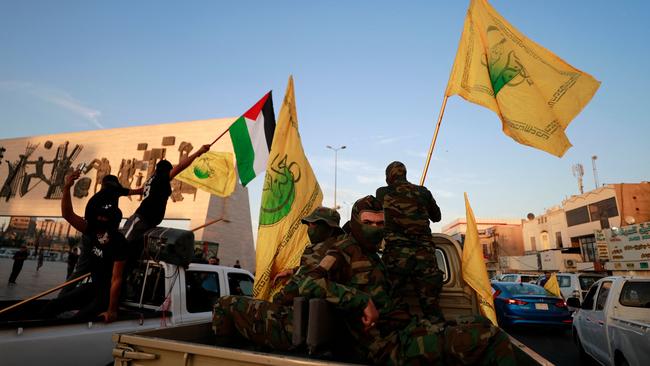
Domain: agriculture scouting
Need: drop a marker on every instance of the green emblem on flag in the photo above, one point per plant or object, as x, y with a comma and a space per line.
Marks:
202, 168
503, 65
279, 191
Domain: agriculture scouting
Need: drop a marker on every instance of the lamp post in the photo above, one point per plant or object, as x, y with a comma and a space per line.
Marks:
336, 153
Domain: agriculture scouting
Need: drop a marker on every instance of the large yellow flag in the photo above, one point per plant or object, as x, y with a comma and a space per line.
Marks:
553, 286
213, 172
474, 270
290, 192
534, 92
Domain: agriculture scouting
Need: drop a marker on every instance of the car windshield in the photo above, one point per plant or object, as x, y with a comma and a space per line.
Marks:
526, 289
587, 281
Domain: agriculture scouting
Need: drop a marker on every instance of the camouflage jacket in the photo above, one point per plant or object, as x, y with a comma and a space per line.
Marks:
309, 260
407, 211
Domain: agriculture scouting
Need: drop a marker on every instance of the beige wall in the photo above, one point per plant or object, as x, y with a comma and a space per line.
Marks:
124, 143
551, 222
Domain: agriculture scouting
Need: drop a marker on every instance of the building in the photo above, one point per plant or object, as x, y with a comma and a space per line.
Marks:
33, 170
573, 224
498, 237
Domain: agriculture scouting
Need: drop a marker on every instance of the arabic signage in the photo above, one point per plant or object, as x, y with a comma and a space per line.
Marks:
626, 244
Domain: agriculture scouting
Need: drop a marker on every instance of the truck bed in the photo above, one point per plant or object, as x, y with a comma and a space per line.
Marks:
194, 345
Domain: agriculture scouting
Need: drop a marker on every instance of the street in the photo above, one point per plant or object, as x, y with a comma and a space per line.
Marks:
555, 346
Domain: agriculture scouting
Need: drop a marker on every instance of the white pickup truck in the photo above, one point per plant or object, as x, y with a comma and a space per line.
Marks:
612, 325
158, 295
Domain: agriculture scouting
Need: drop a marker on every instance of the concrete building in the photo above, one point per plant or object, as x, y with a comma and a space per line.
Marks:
574, 222
33, 169
498, 237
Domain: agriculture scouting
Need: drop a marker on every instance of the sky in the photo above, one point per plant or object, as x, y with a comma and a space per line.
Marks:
369, 75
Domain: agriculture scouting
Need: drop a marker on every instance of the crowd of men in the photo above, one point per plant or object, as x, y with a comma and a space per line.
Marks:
387, 299
388, 304
106, 250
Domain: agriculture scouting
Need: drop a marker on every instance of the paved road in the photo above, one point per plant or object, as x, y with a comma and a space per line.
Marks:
30, 282
555, 346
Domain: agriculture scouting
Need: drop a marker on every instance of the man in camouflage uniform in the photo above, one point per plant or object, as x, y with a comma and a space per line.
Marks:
322, 229
269, 324
409, 251
353, 279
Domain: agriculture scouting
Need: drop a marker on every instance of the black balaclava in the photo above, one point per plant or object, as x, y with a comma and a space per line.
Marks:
368, 236
395, 172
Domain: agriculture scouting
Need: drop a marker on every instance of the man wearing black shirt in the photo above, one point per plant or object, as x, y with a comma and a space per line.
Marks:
105, 246
155, 193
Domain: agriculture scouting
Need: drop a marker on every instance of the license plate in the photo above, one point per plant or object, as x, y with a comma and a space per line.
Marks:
541, 306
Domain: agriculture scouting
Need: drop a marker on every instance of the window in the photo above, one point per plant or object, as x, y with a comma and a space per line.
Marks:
526, 289
544, 240
588, 247
564, 281
588, 303
577, 216
602, 295
153, 281
635, 294
558, 239
443, 265
533, 247
509, 278
202, 290
587, 281
240, 284
603, 209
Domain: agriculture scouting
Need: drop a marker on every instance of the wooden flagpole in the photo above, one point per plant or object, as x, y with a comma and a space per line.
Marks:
45, 293
433, 141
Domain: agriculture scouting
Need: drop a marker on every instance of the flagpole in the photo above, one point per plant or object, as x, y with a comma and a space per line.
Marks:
223, 133
433, 141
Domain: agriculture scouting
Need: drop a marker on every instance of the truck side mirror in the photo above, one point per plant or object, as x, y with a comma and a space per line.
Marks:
573, 302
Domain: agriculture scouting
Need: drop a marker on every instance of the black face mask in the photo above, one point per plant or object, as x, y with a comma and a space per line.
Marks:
319, 233
372, 234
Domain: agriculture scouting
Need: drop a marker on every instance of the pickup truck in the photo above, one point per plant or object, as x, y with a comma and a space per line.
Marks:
612, 325
195, 344
157, 295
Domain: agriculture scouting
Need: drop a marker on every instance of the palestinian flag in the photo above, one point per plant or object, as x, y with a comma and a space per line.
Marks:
251, 137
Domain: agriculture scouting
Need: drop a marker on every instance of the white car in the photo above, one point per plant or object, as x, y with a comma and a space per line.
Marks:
576, 284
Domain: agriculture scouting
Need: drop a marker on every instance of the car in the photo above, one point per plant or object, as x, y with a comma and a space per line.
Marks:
520, 278
576, 284
529, 304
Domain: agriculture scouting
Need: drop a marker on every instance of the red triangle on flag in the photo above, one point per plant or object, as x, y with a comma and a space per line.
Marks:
257, 108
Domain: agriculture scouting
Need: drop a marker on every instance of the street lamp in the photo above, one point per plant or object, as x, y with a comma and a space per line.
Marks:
336, 153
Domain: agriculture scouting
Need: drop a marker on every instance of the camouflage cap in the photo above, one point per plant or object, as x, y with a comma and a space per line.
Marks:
329, 215
395, 171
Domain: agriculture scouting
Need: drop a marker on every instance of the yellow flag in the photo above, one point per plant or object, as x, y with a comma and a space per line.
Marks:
290, 192
534, 92
474, 270
553, 286
213, 172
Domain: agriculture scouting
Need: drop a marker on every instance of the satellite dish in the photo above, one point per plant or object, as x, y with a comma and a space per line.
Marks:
630, 220
530, 216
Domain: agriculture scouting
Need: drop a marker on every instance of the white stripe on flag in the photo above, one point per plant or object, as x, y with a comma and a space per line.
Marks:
258, 139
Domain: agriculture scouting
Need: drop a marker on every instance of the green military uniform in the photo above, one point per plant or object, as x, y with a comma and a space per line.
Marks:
409, 251
351, 274
270, 323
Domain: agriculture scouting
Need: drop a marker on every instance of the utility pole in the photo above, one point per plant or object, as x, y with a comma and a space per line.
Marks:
593, 165
336, 151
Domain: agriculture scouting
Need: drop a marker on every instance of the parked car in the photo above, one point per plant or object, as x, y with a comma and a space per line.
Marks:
519, 278
528, 304
576, 284
613, 322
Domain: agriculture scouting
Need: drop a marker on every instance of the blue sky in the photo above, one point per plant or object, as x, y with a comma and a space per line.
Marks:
368, 74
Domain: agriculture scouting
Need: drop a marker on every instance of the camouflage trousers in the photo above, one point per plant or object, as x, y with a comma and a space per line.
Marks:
415, 277
473, 340
261, 322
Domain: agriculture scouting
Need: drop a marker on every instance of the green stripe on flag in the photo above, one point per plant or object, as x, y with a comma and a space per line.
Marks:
241, 143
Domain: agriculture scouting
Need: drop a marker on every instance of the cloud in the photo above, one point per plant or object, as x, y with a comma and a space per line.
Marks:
59, 98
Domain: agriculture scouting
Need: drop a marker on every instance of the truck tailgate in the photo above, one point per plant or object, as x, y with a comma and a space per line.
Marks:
192, 345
